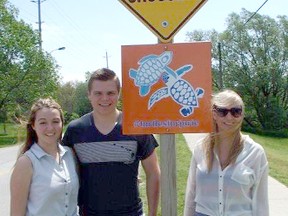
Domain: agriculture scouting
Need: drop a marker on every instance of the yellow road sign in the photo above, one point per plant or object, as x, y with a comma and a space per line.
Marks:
163, 17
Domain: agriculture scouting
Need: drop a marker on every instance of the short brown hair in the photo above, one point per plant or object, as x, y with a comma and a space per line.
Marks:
103, 74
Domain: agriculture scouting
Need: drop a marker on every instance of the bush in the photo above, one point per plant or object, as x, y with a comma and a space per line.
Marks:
68, 117
8, 140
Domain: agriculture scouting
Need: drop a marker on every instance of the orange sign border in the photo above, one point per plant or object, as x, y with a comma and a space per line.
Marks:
131, 55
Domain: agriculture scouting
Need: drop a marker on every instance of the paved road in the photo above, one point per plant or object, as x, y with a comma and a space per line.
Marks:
278, 193
7, 160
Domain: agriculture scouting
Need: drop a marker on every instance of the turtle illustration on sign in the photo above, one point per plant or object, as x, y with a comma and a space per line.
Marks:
150, 71
181, 91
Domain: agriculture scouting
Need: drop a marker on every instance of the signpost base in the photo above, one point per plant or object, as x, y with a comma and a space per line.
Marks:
168, 175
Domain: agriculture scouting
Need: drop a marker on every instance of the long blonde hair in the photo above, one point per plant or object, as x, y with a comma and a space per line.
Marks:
223, 99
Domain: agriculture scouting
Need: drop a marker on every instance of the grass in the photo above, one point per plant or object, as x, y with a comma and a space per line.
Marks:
12, 135
183, 157
276, 150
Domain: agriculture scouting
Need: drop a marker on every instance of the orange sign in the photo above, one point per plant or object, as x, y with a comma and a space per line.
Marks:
163, 17
167, 88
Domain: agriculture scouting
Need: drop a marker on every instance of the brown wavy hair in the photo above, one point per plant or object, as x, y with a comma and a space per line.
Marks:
31, 136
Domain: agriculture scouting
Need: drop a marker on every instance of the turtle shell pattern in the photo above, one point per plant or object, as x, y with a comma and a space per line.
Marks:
149, 72
183, 93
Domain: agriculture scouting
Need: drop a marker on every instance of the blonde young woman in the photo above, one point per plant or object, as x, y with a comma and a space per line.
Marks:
229, 171
44, 181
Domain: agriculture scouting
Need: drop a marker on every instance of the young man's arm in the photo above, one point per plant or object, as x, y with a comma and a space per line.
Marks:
152, 171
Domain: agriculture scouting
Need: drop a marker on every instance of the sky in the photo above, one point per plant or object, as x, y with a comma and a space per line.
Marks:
93, 31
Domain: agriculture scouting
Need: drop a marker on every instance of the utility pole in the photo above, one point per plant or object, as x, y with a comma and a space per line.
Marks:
106, 56
107, 60
220, 66
39, 22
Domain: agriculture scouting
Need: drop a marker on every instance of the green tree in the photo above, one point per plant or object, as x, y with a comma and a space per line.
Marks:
26, 72
254, 60
3, 119
81, 102
72, 96
213, 36
66, 96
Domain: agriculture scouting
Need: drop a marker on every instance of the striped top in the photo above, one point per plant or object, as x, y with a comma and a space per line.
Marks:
108, 167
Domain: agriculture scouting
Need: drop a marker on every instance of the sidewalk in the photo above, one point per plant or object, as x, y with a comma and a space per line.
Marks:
278, 193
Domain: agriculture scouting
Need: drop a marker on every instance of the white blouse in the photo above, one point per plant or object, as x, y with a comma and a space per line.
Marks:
54, 187
239, 189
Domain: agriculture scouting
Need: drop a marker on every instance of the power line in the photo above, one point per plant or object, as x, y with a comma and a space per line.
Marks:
255, 12
219, 48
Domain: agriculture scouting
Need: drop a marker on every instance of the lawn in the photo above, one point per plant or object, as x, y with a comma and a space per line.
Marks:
183, 157
276, 150
10, 134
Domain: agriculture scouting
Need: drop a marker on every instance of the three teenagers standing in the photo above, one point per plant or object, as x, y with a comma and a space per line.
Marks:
108, 159
229, 171
44, 180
